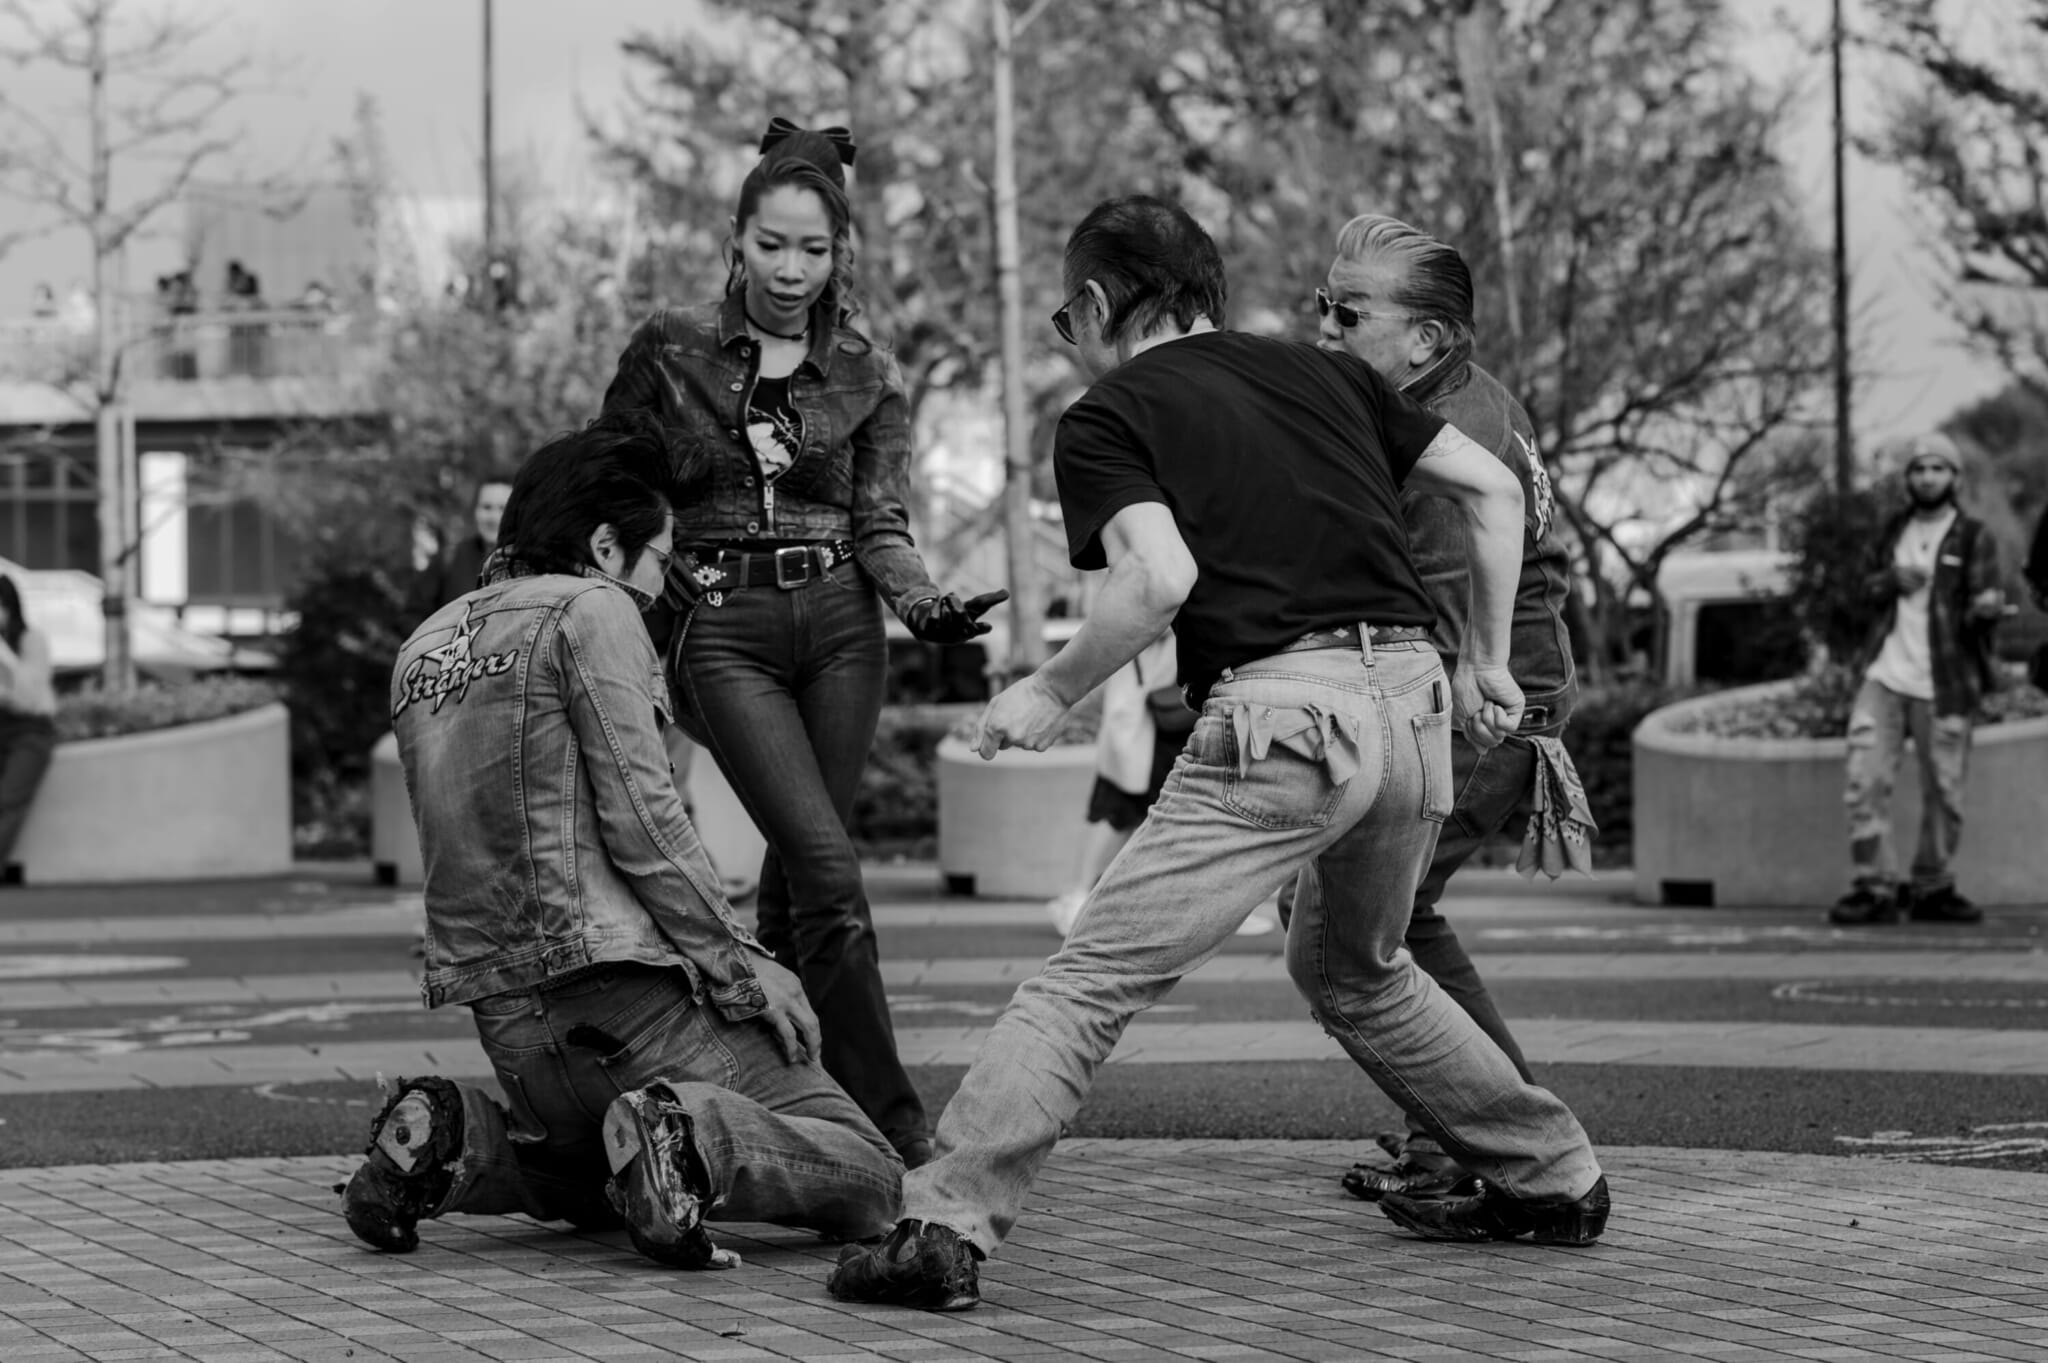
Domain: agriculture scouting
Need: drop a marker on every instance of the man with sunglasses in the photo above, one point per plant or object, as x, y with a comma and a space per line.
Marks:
1245, 490
1401, 300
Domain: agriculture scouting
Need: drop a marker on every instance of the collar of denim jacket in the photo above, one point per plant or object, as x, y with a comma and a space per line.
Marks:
732, 329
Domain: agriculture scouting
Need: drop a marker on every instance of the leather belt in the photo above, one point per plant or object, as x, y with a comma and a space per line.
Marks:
789, 567
1346, 636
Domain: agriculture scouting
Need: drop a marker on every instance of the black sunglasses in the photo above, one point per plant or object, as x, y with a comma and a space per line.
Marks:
1347, 316
1060, 322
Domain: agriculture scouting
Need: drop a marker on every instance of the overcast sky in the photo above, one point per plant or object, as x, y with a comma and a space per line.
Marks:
420, 60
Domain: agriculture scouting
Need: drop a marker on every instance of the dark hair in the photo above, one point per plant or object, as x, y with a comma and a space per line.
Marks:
611, 472
10, 601
1435, 283
1153, 261
805, 160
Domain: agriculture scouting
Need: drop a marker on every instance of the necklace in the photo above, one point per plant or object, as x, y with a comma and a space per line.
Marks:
803, 335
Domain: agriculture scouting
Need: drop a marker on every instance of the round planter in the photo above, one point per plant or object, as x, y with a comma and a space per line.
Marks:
1012, 827
1759, 821
193, 802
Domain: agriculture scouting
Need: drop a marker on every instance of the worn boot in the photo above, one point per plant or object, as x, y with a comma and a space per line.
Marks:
408, 1167
659, 1183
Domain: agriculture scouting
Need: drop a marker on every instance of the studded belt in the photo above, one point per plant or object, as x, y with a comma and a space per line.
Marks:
789, 567
1346, 636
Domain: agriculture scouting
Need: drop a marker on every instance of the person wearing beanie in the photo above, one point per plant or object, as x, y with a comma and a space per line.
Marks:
1934, 574
789, 438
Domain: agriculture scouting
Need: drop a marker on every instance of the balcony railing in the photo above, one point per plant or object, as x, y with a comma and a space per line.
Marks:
271, 344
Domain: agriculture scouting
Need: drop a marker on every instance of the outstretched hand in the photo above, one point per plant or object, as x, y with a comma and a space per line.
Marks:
949, 620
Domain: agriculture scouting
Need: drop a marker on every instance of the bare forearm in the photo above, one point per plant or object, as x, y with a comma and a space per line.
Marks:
1134, 607
1493, 545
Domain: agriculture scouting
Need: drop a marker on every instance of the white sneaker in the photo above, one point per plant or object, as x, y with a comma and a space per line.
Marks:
1064, 909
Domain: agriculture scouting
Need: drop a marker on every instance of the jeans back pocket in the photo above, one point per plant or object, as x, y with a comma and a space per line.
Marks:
1433, 743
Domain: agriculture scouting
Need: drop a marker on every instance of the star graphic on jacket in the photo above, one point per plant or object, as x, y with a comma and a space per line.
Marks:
456, 652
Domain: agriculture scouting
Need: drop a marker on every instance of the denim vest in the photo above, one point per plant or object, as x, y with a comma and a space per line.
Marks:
1540, 649
695, 368
528, 715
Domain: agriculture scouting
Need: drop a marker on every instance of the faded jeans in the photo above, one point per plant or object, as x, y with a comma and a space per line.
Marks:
1337, 760
784, 688
1879, 724
782, 1143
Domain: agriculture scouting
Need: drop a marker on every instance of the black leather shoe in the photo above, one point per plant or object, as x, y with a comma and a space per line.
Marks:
1491, 1214
1865, 904
1943, 906
920, 1264
409, 1166
659, 1183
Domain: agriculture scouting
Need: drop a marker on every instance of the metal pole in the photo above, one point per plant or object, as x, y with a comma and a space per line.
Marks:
490, 194
1027, 612
1845, 447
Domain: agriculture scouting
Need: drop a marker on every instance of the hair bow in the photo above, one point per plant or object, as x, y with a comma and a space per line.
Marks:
781, 130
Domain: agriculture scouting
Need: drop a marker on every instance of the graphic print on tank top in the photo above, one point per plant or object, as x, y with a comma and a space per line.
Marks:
775, 428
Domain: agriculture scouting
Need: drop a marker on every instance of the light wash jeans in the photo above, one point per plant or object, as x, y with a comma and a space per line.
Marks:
1338, 760
1879, 724
782, 1142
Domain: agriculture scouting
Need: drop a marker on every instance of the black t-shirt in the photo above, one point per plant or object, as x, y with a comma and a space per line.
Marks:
1281, 464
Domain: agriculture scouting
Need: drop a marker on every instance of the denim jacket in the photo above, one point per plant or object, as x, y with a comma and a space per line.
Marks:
528, 715
695, 367
1540, 649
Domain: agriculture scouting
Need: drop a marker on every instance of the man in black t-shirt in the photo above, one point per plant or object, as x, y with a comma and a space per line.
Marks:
1245, 492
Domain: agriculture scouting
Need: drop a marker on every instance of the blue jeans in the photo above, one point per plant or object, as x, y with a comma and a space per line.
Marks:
780, 1141
1879, 724
783, 688
1336, 760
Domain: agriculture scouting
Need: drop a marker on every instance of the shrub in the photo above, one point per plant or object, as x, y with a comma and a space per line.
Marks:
1818, 707
336, 670
1599, 740
109, 714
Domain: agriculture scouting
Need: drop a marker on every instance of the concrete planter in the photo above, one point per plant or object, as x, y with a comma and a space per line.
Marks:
727, 830
1012, 828
194, 802
1759, 821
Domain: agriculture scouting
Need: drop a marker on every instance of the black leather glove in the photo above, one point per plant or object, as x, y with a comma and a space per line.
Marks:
949, 620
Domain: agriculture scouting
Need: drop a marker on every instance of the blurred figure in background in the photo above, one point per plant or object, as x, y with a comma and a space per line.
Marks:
28, 706
1927, 665
456, 571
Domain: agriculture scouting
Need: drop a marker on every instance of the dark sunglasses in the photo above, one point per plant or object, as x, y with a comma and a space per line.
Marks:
1347, 316
1061, 322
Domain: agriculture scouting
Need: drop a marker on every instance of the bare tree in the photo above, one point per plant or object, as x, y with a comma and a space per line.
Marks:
1644, 281
1968, 128
152, 110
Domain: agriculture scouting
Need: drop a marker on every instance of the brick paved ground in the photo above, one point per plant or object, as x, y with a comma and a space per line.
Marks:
1129, 1250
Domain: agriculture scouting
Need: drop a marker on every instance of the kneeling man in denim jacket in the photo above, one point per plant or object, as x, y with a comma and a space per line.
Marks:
658, 1066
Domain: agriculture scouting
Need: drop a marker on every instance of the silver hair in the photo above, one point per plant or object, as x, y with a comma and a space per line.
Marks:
1434, 283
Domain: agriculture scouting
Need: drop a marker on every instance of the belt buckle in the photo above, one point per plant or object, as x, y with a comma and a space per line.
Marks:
803, 556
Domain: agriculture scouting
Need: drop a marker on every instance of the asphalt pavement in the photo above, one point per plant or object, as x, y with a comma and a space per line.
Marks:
1824, 1143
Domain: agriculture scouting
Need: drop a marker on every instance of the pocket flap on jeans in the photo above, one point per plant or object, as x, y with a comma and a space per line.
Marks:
1310, 731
